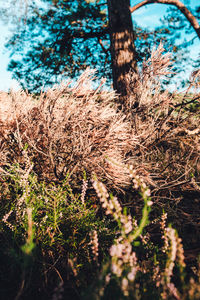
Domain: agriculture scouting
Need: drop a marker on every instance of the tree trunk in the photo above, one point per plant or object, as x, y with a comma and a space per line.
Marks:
122, 39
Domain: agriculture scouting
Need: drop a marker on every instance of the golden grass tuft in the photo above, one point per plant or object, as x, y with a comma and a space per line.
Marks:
67, 130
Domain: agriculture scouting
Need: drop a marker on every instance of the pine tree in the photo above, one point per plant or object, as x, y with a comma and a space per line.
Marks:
57, 38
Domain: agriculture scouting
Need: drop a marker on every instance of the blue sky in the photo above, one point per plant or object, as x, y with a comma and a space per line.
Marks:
148, 16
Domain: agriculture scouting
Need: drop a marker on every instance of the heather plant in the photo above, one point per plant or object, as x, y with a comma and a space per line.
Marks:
92, 191
49, 223
71, 129
166, 125
46, 224
123, 258
68, 130
130, 275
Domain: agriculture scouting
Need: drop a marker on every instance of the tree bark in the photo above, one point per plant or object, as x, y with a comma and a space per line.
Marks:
187, 13
122, 39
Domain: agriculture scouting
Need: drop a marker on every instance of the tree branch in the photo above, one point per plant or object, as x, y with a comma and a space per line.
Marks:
103, 47
187, 13
186, 103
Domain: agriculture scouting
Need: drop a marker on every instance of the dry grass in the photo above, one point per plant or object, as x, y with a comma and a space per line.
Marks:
167, 126
74, 129
67, 130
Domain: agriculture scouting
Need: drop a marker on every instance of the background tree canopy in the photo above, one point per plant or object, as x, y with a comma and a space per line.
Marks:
57, 38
